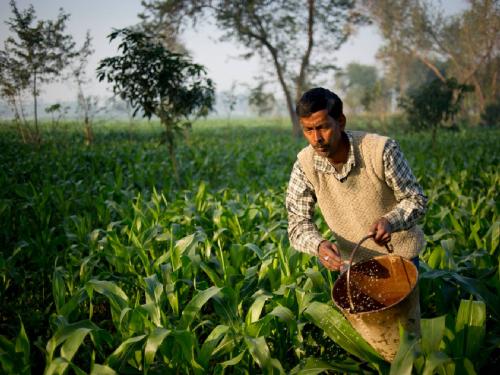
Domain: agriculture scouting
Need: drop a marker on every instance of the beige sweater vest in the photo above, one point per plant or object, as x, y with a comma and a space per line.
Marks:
352, 206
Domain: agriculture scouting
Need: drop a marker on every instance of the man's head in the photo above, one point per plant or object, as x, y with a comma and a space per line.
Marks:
320, 114
318, 99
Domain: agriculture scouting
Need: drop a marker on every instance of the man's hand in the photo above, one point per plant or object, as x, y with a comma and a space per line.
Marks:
381, 231
329, 255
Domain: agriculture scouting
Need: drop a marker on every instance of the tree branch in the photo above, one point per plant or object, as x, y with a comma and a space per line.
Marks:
305, 59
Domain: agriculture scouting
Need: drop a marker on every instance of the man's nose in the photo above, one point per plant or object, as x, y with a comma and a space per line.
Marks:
317, 136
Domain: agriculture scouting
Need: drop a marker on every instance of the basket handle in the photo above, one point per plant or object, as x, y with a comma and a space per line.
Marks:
389, 248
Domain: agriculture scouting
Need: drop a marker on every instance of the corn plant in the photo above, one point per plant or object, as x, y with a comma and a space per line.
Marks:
113, 268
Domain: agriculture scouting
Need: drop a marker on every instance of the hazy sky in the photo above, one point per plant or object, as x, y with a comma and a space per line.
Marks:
221, 59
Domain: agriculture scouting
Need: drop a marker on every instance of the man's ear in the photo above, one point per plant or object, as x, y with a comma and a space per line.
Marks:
342, 121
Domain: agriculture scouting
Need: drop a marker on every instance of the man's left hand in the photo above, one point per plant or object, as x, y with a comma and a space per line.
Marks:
381, 231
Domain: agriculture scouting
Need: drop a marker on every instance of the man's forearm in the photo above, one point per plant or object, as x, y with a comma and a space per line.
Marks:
407, 213
412, 203
303, 235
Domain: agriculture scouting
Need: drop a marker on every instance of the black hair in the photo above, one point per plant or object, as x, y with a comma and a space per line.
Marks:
317, 99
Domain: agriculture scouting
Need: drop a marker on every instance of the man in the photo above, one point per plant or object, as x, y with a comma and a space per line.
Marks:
361, 182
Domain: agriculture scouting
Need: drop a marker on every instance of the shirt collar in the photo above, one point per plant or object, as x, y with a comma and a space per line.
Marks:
323, 165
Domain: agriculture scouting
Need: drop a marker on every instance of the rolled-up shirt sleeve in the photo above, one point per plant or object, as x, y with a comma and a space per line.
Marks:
300, 205
412, 203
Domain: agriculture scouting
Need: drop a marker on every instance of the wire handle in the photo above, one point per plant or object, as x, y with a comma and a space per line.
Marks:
389, 248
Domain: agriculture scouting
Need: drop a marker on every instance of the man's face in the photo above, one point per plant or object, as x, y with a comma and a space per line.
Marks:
323, 132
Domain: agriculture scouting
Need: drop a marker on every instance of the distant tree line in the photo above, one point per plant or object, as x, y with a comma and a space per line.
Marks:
297, 40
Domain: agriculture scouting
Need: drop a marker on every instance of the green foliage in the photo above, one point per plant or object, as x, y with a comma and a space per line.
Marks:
156, 81
15, 354
364, 90
115, 269
36, 52
340, 330
260, 101
461, 45
491, 114
447, 345
432, 103
283, 33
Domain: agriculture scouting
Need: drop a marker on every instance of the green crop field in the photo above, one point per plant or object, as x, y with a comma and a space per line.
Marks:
110, 266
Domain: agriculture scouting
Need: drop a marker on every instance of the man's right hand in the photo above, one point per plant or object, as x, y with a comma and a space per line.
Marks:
329, 255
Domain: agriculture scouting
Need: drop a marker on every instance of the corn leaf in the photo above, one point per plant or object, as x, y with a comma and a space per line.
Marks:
154, 289
211, 343
434, 361
260, 352
73, 342
233, 361
115, 294
432, 331
283, 313
124, 352
186, 341
255, 310
339, 330
58, 288
102, 370
58, 366
181, 246
470, 328
212, 275
313, 366
73, 302
66, 332
23, 345
406, 355
154, 340
194, 306
253, 247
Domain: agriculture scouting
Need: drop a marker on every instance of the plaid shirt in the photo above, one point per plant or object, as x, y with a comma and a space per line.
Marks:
301, 198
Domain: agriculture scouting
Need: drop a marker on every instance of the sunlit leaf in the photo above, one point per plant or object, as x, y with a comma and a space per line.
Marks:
340, 330
194, 306
260, 352
432, 332
406, 355
154, 340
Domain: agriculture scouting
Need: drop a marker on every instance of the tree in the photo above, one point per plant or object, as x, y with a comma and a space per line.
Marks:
468, 42
360, 84
86, 104
296, 38
432, 103
36, 53
229, 99
491, 114
57, 112
157, 82
261, 101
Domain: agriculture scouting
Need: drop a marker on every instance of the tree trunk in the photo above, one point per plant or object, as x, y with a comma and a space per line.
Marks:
479, 93
494, 86
37, 136
171, 153
89, 134
170, 141
299, 86
17, 118
296, 128
431, 66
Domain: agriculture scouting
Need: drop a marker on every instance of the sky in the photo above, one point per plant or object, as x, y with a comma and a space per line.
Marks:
220, 58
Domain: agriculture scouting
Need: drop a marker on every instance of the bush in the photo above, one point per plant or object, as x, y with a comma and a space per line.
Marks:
491, 114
